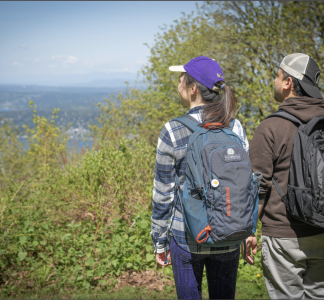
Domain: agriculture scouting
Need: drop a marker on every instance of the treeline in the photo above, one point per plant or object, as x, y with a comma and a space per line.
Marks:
72, 221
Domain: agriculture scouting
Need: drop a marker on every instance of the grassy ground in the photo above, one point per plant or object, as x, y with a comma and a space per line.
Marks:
154, 286
243, 291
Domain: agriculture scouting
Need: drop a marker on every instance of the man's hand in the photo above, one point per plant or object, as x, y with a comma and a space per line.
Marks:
251, 244
160, 258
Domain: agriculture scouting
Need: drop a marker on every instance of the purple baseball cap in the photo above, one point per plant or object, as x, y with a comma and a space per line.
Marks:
205, 70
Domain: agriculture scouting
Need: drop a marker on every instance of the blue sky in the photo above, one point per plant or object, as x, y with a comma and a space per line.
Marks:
58, 37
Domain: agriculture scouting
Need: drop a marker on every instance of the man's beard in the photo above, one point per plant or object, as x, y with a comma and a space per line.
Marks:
276, 95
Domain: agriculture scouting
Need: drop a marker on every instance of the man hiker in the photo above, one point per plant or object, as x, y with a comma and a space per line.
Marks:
292, 250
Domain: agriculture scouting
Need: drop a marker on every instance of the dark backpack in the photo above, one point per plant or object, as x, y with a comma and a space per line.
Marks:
305, 194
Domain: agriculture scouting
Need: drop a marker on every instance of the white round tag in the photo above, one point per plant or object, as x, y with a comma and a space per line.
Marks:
215, 183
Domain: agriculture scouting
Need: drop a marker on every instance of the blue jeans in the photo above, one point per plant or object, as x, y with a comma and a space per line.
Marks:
188, 271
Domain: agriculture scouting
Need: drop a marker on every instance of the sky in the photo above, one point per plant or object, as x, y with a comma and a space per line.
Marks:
56, 38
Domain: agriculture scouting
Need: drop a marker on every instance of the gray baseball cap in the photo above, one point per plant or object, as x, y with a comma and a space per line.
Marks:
305, 69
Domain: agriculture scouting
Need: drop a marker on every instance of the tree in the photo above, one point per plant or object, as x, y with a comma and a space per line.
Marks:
248, 38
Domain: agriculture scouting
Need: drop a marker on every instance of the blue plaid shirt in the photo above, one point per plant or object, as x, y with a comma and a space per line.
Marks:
170, 159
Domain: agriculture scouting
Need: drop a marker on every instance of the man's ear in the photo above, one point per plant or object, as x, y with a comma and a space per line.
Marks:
287, 84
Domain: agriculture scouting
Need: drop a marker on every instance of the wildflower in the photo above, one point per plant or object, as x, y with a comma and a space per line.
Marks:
258, 275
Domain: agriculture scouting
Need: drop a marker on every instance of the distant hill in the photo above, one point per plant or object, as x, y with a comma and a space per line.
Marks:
93, 79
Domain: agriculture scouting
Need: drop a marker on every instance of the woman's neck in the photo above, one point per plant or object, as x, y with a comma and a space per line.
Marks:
197, 102
195, 99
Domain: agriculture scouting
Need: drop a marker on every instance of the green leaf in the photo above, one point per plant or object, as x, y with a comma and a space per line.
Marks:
22, 255
148, 248
35, 243
114, 262
150, 257
45, 226
103, 282
22, 239
132, 238
90, 261
77, 268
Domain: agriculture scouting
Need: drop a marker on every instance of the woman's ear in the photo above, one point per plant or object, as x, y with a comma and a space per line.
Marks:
193, 89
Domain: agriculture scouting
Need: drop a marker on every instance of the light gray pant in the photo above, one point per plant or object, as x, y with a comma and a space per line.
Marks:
294, 268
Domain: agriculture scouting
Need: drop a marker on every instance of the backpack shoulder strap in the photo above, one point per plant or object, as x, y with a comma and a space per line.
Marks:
285, 115
231, 124
312, 123
190, 122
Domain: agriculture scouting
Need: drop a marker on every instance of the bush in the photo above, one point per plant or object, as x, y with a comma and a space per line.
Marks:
81, 226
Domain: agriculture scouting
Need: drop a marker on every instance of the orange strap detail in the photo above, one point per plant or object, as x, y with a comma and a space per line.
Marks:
213, 125
207, 229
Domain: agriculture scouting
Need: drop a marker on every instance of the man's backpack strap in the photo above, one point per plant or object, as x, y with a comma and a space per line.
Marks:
285, 115
280, 191
312, 123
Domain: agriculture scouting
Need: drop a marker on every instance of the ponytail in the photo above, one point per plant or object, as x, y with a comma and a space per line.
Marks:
218, 109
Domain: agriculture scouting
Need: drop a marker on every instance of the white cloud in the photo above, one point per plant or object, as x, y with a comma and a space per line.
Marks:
15, 63
71, 59
23, 46
36, 60
52, 66
120, 71
65, 59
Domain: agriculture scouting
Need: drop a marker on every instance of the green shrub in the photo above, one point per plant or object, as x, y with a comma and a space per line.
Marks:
81, 226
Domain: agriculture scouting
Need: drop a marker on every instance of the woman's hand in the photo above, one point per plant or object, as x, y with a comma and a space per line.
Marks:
160, 258
251, 244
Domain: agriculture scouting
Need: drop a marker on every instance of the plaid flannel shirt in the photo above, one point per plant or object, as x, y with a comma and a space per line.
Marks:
171, 159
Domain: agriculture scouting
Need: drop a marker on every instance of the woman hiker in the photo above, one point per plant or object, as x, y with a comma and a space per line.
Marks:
201, 80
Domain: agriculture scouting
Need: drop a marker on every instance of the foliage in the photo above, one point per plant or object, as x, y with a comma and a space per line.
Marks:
81, 226
12, 158
46, 148
248, 38
47, 142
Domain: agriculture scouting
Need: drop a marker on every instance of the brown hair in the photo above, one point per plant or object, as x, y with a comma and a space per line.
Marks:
218, 109
297, 90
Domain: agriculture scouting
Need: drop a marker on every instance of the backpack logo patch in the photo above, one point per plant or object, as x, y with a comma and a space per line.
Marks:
231, 156
230, 151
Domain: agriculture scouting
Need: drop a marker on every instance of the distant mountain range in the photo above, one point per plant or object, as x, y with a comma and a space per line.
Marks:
93, 79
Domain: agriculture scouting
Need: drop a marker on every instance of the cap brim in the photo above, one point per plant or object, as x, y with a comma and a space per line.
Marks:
177, 69
311, 90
